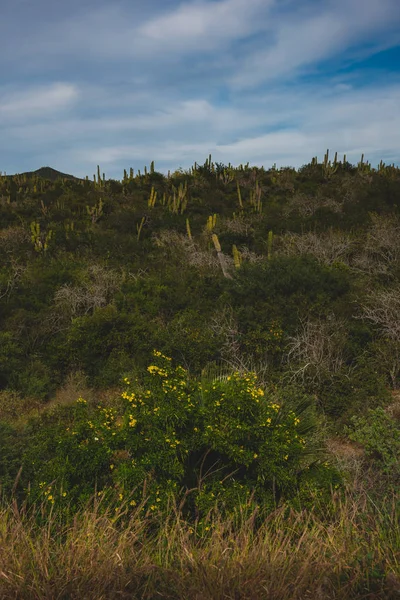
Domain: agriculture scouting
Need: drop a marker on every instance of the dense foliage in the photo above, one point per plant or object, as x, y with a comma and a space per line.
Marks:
267, 294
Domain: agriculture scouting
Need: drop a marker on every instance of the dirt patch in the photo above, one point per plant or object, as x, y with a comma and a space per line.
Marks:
345, 449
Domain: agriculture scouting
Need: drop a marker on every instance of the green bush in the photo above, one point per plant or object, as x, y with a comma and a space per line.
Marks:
221, 440
379, 433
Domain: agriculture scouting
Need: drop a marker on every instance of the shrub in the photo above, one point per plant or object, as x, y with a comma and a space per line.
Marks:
379, 433
221, 440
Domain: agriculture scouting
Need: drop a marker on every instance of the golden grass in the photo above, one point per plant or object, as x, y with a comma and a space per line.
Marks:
353, 553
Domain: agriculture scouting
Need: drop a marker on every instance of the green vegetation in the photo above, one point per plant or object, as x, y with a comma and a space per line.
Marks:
196, 363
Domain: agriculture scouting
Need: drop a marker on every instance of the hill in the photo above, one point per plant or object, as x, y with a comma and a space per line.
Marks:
48, 173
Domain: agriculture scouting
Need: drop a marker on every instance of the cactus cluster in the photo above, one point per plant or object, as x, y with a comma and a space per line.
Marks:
40, 239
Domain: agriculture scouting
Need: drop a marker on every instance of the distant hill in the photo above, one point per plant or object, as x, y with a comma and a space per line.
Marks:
49, 173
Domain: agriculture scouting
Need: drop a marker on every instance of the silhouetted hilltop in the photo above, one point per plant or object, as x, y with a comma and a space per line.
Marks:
48, 173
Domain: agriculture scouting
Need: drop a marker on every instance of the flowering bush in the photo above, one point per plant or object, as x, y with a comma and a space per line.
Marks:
224, 440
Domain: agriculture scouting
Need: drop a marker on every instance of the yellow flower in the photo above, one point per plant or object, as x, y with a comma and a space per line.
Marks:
111, 467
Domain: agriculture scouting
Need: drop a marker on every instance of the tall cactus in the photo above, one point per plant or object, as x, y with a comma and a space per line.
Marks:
237, 257
255, 199
95, 212
139, 227
188, 230
269, 245
239, 195
221, 257
211, 222
327, 168
152, 200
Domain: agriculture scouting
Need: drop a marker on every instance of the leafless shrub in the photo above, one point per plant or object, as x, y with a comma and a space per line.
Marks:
12, 238
328, 247
306, 205
224, 325
239, 225
75, 386
317, 349
382, 245
11, 282
13, 405
96, 291
383, 310
191, 252
168, 238
251, 257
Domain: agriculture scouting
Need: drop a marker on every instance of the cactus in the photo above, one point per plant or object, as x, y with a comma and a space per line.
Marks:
44, 209
152, 167
139, 227
188, 230
269, 244
237, 257
221, 257
211, 222
362, 166
255, 199
69, 228
100, 180
178, 202
40, 240
327, 168
239, 195
152, 200
216, 242
95, 212
227, 175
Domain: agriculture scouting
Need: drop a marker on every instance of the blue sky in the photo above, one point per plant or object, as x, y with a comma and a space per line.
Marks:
123, 83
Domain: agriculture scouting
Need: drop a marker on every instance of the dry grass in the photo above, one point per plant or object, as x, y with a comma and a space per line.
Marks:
352, 554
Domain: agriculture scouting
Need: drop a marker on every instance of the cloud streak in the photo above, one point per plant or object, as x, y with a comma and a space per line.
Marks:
37, 101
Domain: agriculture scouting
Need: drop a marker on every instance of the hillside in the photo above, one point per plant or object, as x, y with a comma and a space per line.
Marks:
228, 337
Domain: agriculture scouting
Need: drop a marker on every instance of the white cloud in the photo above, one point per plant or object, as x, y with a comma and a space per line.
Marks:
37, 101
305, 39
204, 25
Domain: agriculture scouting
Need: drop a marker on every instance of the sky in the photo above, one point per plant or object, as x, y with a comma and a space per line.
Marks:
124, 82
